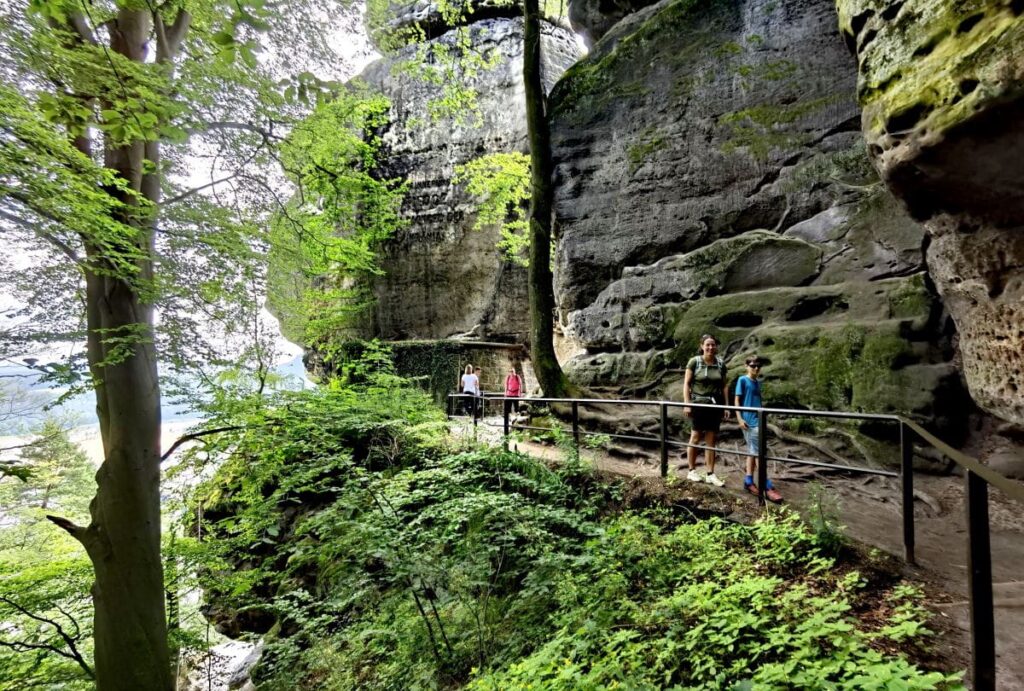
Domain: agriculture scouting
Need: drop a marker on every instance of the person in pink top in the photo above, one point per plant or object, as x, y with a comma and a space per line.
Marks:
513, 387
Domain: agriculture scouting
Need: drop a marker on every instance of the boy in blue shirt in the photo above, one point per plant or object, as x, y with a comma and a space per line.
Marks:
748, 395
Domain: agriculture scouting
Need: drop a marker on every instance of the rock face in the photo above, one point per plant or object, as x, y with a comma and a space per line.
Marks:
442, 278
391, 24
710, 177
592, 19
942, 87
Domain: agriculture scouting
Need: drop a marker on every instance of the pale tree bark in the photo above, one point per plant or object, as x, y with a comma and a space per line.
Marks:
123, 537
540, 284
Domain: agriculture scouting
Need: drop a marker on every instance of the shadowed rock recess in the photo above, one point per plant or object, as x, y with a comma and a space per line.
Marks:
942, 87
442, 278
711, 176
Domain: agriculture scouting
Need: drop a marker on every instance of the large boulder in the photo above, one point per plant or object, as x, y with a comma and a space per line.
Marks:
942, 88
441, 277
710, 177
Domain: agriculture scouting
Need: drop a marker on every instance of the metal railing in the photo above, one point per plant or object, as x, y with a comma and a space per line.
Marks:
977, 480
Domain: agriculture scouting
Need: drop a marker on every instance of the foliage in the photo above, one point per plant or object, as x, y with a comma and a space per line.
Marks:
99, 100
45, 617
324, 242
451, 66
219, 109
707, 605
376, 557
501, 182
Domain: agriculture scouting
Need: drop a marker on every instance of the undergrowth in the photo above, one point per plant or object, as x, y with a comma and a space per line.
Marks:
373, 556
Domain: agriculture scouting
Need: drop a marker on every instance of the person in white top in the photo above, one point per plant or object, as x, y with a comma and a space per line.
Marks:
469, 385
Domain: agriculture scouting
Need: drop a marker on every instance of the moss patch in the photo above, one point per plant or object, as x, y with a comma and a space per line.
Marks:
930, 65
650, 141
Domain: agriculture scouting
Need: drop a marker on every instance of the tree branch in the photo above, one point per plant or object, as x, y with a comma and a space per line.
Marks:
176, 34
196, 435
231, 125
72, 652
238, 171
74, 530
64, 248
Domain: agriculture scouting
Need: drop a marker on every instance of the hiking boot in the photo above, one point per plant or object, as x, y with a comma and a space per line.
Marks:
713, 479
773, 495
752, 488
694, 476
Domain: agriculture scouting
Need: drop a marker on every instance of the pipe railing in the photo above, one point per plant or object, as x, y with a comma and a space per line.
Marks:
977, 480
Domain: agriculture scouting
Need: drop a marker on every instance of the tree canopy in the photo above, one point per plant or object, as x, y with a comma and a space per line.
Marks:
138, 142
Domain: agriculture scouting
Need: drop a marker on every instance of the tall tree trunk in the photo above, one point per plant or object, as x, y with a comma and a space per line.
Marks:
123, 537
541, 288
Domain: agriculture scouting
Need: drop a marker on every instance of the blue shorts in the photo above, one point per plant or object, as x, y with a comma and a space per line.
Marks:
753, 436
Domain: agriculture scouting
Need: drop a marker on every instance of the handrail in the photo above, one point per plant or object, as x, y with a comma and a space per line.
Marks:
1012, 489
977, 479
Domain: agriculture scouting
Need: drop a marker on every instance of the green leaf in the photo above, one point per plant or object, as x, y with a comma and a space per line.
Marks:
223, 38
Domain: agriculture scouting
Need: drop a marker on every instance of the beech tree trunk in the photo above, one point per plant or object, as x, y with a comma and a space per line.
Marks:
123, 536
540, 283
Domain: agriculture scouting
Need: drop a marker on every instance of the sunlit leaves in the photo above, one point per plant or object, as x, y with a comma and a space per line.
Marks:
343, 211
500, 182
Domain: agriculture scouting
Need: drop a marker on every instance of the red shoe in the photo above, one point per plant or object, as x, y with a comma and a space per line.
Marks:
752, 488
773, 495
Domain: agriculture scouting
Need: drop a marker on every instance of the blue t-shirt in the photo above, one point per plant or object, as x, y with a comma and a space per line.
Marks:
749, 392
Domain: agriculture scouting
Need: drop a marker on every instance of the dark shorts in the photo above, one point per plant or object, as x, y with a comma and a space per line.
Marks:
706, 419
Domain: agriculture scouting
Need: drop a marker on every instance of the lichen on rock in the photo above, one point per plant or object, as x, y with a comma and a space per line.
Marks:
929, 73
942, 87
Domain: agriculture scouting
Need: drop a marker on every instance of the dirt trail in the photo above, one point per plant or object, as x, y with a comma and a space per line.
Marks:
868, 508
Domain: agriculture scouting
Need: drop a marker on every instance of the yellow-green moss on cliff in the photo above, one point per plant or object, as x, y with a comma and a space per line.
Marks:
928, 65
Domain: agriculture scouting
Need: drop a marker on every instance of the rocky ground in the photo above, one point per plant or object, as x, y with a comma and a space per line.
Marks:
868, 509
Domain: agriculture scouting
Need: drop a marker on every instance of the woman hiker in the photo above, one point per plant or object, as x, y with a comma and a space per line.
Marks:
469, 386
705, 383
513, 388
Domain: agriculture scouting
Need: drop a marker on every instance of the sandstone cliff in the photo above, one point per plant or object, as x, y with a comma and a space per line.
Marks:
442, 278
711, 177
942, 87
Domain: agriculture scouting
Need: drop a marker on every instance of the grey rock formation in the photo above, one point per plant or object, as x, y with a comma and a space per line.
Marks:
442, 278
592, 19
942, 85
710, 178
392, 23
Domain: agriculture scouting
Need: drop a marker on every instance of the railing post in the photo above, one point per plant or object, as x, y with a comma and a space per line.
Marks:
508, 408
907, 483
476, 407
762, 455
576, 425
664, 440
979, 585
448, 406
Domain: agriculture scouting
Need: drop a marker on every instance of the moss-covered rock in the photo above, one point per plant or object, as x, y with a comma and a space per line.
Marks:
942, 87
930, 73
864, 347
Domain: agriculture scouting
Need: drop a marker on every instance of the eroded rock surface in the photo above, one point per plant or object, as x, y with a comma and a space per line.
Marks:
393, 23
942, 87
442, 278
592, 19
710, 177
